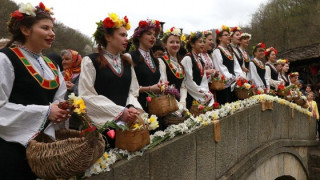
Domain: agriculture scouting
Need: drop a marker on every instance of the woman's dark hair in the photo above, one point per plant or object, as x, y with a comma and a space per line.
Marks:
192, 40
99, 37
220, 35
309, 85
27, 21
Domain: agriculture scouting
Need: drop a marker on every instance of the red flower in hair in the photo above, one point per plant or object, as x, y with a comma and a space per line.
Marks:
126, 19
143, 24
17, 14
171, 29
108, 23
158, 24
217, 31
262, 45
234, 29
266, 53
42, 6
275, 51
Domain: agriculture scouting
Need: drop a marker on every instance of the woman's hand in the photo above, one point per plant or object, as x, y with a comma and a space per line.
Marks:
244, 69
58, 115
69, 85
130, 114
156, 88
209, 71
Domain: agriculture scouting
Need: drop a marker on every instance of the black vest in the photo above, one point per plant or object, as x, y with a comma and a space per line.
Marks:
197, 78
274, 74
239, 58
110, 85
26, 90
228, 63
144, 75
171, 77
261, 73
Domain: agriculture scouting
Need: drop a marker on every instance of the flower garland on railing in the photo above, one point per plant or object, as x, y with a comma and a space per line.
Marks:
191, 124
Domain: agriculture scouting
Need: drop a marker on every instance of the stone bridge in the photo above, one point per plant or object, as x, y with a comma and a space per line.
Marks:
254, 145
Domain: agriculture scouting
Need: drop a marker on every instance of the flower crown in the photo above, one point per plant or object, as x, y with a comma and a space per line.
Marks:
207, 33
145, 25
259, 45
223, 28
294, 74
246, 35
113, 21
196, 35
268, 51
28, 10
234, 29
282, 61
172, 31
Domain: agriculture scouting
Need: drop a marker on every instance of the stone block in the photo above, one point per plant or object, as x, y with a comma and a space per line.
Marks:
284, 117
266, 127
175, 159
136, 168
226, 149
254, 127
242, 119
205, 153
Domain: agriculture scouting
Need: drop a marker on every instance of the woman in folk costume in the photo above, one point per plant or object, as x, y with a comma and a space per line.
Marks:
108, 82
71, 63
284, 70
224, 62
170, 66
195, 76
271, 70
30, 83
206, 54
244, 43
235, 48
257, 74
146, 66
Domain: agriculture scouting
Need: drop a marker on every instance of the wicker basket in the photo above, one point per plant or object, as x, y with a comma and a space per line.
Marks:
69, 156
133, 140
171, 119
216, 85
288, 98
281, 93
163, 105
242, 93
300, 102
195, 111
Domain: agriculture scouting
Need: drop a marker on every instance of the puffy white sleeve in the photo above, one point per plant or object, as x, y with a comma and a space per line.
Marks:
134, 91
20, 123
99, 108
237, 68
273, 83
198, 92
163, 70
254, 77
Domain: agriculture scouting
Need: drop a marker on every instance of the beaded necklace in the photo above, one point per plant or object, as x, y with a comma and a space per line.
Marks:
198, 61
114, 58
45, 83
34, 55
227, 54
261, 66
178, 71
245, 54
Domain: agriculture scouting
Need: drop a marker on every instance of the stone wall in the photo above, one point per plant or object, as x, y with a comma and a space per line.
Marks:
248, 139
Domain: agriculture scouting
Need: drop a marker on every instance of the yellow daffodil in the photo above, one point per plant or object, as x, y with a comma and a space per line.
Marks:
113, 16
105, 155
80, 106
137, 126
99, 160
162, 88
152, 118
206, 123
128, 26
183, 37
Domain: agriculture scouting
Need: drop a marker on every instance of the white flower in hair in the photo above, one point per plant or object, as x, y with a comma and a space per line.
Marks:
27, 9
176, 32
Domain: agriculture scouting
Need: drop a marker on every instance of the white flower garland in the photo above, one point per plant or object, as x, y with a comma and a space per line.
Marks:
191, 124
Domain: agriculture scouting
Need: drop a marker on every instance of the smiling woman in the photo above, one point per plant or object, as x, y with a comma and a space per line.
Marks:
30, 84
